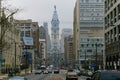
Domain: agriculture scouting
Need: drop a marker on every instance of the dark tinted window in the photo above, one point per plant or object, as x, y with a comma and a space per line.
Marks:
96, 76
110, 76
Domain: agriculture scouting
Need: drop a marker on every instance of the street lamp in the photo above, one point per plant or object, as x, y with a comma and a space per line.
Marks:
96, 56
78, 58
15, 43
85, 60
15, 58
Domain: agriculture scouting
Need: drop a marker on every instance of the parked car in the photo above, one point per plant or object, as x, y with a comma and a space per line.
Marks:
71, 76
45, 72
10, 73
105, 75
78, 72
89, 73
84, 73
49, 71
56, 71
17, 78
38, 71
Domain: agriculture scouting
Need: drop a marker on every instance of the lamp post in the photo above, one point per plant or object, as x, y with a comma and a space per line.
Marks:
78, 57
15, 58
96, 56
85, 60
15, 51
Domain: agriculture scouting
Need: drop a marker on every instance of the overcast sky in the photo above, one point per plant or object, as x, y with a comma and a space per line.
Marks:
42, 10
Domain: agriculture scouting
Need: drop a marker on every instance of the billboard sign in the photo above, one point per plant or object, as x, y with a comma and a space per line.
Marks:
28, 41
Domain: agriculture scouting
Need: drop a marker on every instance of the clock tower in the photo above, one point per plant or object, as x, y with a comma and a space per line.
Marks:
55, 31
55, 42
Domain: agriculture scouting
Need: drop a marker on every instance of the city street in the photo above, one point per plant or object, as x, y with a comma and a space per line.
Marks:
49, 40
49, 77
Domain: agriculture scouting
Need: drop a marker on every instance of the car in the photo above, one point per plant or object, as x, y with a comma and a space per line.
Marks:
105, 75
17, 78
84, 73
10, 73
56, 71
78, 72
45, 72
49, 71
71, 76
38, 71
89, 73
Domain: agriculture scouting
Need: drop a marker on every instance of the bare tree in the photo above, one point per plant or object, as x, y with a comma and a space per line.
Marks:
6, 24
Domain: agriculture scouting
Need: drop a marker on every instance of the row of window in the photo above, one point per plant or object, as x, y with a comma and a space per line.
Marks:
91, 1
92, 6
27, 34
87, 56
91, 10
112, 17
91, 19
109, 4
91, 45
83, 50
90, 23
23, 24
92, 14
91, 40
113, 35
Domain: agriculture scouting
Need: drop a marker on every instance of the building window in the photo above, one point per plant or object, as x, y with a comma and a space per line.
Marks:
119, 30
119, 11
55, 36
97, 40
87, 1
82, 45
70, 44
27, 24
21, 24
97, 0
22, 34
27, 27
27, 33
82, 1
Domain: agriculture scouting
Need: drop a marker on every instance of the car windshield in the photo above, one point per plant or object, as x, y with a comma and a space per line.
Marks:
110, 76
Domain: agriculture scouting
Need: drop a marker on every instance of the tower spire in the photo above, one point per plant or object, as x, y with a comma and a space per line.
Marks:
55, 7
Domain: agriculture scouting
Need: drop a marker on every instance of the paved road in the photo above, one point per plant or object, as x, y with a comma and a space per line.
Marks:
49, 77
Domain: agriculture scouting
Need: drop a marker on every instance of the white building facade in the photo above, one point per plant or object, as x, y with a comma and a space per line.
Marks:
55, 31
55, 42
90, 23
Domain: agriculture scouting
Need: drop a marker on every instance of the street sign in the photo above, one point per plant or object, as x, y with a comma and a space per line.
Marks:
93, 65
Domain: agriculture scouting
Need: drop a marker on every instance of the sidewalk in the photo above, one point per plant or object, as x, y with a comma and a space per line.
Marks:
22, 73
3, 76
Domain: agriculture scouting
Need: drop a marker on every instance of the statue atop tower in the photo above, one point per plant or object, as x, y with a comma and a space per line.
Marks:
55, 7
